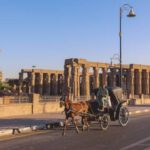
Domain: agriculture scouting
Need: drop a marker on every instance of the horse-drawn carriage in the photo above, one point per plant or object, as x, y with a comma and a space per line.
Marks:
90, 110
116, 112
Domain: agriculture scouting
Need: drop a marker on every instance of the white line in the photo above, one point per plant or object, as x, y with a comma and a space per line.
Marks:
138, 111
146, 110
135, 144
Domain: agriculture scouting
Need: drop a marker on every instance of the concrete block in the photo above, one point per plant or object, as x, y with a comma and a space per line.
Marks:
6, 132
25, 129
38, 127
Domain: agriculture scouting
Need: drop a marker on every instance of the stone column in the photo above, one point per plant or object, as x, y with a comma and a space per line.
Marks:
67, 76
20, 82
139, 82
86, 80
78, 81
29, 82
136, 82
96, 77
62, 84
56, 84
75, 80
33, 82
41, 84
113, 77
104, 76
130, 82
147, 83
48, 83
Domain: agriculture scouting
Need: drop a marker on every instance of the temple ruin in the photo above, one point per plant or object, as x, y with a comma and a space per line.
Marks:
83, 76
44, 82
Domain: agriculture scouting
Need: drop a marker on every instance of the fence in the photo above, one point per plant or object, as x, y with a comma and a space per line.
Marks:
57, 98
82, 98
28, 98
21, 99
50, 98
146, 96
136, 96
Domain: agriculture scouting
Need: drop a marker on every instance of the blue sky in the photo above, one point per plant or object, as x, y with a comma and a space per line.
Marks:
46, 32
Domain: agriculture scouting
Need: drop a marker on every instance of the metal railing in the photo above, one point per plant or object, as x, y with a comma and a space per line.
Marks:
146, 96
50, 98
136, 96
82, 98
57, 98
21, 99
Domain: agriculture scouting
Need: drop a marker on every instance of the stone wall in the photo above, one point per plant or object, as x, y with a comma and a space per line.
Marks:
35, 107
15, 110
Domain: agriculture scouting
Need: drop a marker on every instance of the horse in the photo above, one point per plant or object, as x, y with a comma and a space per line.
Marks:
72, 110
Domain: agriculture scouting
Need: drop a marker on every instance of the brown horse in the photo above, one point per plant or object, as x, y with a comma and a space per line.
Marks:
72, 110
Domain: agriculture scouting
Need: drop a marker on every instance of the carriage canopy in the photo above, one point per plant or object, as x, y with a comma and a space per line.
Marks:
116, 94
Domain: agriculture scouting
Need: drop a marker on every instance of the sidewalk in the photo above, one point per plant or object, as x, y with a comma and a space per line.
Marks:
28, 123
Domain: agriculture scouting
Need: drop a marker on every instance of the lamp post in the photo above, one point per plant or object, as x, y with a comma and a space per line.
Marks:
115, 57
131, 14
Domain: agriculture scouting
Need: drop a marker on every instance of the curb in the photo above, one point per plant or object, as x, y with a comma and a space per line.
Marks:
6, 132
50, 125
138, 112
14, 131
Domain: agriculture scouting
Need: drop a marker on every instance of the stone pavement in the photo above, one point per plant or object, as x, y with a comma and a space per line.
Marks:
34, 122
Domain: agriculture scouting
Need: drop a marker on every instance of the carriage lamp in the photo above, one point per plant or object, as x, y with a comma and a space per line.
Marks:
131, 13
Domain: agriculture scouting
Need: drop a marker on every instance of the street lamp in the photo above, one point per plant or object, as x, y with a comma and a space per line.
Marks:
131, 14
115, 57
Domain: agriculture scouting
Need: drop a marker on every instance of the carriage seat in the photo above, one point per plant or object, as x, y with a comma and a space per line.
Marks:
96, 106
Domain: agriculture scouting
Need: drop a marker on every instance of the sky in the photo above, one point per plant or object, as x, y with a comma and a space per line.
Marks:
46, 32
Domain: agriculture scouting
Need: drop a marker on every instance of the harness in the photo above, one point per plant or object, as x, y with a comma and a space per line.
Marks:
68, 107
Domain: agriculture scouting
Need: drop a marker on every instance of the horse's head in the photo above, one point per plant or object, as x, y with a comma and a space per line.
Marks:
95, 91
62, 101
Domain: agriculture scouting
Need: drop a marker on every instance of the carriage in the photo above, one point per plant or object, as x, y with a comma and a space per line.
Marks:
117, 111
90, 110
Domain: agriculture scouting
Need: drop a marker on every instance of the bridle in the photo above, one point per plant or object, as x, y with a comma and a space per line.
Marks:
62, 101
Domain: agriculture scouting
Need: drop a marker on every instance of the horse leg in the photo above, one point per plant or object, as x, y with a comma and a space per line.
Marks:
65, 127
75, 124
83, 123
87, 124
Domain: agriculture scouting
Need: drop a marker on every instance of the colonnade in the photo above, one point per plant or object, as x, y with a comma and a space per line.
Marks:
83, 76
78, 76
44, 82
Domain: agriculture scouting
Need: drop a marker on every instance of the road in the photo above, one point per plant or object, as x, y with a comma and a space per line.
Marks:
135, 136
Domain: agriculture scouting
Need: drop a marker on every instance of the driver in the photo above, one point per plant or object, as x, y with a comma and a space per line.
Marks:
103, 97
68, 102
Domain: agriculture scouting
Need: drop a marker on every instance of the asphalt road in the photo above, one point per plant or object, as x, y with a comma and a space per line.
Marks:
135, 136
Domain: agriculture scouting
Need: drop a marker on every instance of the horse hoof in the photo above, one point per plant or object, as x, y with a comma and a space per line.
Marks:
83, 129
78, 131
63, 134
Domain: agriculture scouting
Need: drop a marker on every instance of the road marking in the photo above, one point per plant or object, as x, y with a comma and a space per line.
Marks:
135, 144
22, 135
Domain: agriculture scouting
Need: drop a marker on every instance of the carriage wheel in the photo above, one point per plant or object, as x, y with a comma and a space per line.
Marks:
123, 116
104, 122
